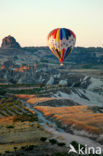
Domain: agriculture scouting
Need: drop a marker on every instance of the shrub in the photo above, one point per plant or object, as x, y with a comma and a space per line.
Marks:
15, 148
10, 126
23, 147
29, 148
2, 91
7, 151
61, 144
43, 138
53, 141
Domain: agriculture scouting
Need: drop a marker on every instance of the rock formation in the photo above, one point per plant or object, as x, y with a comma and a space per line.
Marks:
9, 42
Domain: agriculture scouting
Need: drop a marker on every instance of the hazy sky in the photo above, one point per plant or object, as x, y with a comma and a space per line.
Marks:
30, 21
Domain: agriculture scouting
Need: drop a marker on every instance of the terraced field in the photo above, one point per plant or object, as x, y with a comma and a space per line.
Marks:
10, 106
18, 125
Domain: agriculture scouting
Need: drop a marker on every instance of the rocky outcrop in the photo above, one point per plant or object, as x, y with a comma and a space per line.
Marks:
63, 82
51, 81
9, 42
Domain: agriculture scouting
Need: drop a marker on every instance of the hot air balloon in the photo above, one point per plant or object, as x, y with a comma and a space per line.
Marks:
61, 41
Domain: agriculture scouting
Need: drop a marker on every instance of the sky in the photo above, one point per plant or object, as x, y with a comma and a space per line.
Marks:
30, 21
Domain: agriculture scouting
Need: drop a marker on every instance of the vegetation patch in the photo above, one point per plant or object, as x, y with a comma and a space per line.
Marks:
25, 117
79, 117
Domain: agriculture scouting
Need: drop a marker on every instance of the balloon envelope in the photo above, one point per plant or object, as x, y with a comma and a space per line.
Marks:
61, 42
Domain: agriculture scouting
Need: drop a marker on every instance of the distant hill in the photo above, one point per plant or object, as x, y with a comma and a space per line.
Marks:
79, 55
11, 50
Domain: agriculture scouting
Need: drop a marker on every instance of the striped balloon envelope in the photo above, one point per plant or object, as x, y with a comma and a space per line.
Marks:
61, 41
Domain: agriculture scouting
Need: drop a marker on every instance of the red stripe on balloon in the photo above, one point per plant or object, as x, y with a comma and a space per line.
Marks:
63, 51
54, 33
72, 33
61, 60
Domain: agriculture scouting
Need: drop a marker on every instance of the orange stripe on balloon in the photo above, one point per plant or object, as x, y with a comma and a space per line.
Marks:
58, 35
54, 52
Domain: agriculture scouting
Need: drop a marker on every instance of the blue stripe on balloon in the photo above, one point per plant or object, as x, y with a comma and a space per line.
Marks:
61, 34
67, 33
67, 52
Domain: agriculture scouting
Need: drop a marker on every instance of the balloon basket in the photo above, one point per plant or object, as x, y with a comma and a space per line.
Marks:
61, 64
